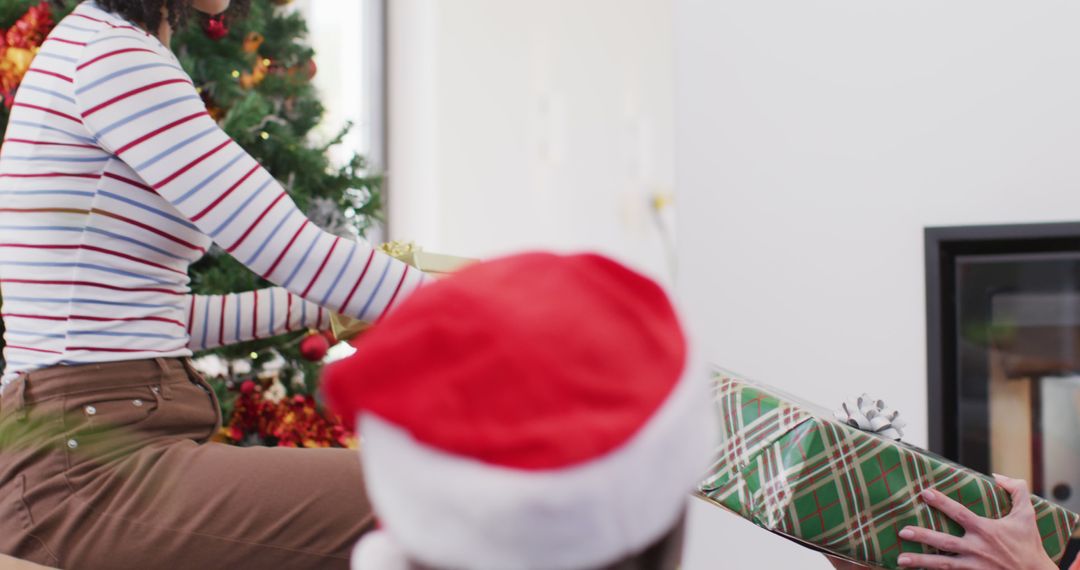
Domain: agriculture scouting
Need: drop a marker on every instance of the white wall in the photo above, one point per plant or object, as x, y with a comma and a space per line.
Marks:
516, 124
815, 141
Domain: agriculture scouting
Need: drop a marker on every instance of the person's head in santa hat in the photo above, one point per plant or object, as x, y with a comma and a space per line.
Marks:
536, 411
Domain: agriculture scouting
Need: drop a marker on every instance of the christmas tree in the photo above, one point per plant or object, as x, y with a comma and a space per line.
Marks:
254, 73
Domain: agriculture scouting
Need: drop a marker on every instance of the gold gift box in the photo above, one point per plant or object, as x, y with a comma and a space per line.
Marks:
437, 264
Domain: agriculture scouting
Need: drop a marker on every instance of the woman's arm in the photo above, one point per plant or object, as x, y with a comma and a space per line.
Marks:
221, 320
141, 107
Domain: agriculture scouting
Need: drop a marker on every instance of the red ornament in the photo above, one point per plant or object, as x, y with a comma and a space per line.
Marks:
215, 28
314, 346
311, 69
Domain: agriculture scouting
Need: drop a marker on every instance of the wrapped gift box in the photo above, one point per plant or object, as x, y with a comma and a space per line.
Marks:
345, 328
790, 467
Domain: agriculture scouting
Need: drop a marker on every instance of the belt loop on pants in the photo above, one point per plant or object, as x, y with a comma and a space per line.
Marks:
19, 396
164, 387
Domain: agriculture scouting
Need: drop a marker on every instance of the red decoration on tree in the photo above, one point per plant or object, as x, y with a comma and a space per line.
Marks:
215, 28
314, 346
18, 44
291, 422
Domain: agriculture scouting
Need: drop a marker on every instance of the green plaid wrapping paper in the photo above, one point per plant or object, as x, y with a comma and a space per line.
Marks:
794, 470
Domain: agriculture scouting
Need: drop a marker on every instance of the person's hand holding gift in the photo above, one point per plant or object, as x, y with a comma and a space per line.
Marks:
1009, 543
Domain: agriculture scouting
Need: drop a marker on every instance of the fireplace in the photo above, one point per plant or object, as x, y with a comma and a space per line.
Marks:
1003, 351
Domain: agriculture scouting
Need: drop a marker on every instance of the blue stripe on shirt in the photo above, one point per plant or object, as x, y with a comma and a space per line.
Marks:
50, 55
239, 309
154, 160
44, 127
341, 272
80, 229
57, 158
92, 302
209, 179
126, 334
30, 334
258, 250
57, 94
116, 74
45, 193
206, 322
84, 266
389, 261
127, 120
270, 331
150, 209
303, 258
239, 210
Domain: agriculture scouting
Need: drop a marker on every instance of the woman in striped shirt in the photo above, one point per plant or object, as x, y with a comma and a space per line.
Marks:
113, 179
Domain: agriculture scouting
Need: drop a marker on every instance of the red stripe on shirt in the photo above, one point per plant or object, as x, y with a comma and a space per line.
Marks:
288, 313
35, 317
125, 350
31, 349
131, 93
151, 229
91, 318
52, 175
255, 318
285, 250
321, 267
356, 285
94, 284
110, 24
64, 41
256, 223
50, 73
394, 296
110, 54
224, 194
48, 110
221, 325
191, 315
158, 131
91, 248
192, 164
48, 143
129, 181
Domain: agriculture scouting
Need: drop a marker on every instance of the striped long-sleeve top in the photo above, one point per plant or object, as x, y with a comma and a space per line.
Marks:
114, 179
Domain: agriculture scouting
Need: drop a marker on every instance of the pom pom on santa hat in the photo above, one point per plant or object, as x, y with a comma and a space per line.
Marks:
537, 411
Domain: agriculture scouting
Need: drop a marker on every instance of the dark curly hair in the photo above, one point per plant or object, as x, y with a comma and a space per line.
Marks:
147, 13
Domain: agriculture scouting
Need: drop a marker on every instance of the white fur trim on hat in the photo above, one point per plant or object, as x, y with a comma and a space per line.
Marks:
378, 551
455, 512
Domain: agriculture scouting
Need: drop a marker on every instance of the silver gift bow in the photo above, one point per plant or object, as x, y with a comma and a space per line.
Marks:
872, 415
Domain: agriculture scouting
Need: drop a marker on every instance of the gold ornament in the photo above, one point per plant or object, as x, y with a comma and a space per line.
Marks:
258, 73
252, 42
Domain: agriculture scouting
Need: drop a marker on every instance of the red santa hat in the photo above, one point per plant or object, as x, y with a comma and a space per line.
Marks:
537, 411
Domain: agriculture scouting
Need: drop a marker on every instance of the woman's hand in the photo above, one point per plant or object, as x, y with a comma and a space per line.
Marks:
1009, 543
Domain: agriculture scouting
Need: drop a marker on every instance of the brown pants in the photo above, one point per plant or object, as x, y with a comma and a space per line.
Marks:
107, 466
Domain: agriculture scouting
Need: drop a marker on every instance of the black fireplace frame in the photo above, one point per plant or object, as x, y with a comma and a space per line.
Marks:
942, 246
